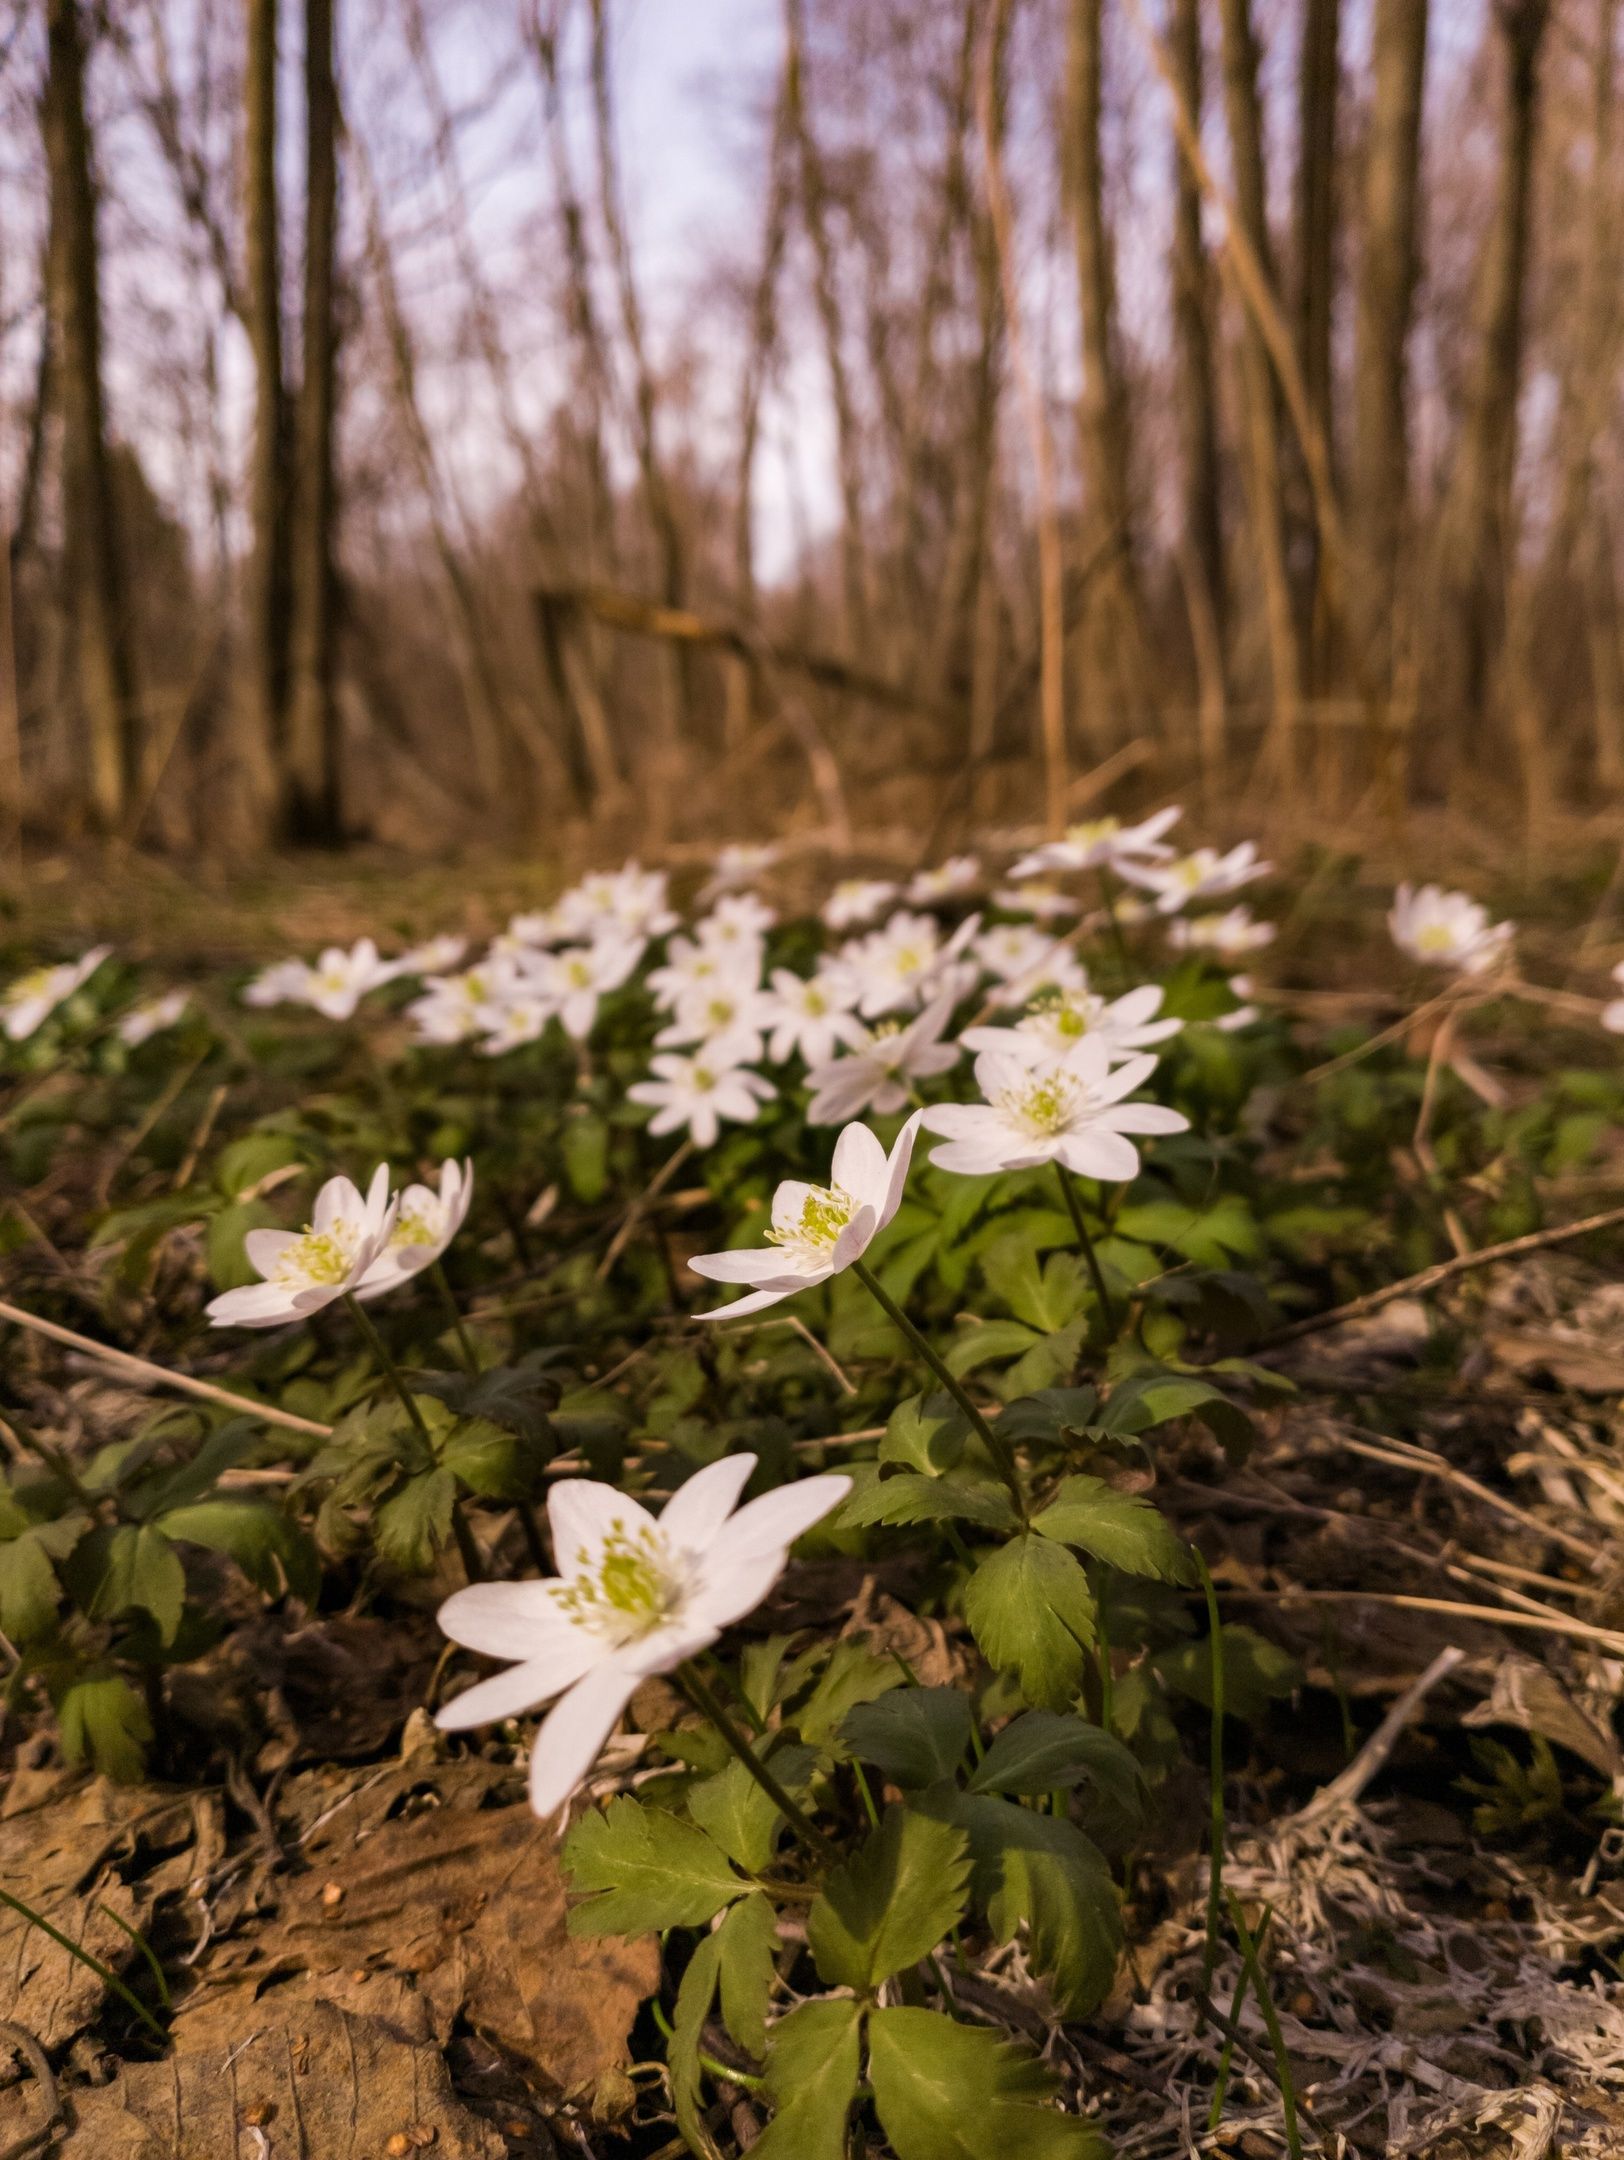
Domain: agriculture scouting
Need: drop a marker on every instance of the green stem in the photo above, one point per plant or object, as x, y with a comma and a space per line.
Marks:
1271, 2019
1074, 1207
77, 1950
709, 1704
1000, 1450
467, 1550
1215, 1777
1232, 2026
442, 1283
1108, 895
746, 2080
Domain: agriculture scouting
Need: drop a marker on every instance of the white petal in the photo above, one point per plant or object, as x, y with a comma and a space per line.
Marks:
858, 1166
338, 1201
1148, 1117
897, 1168
698, 1508
582, 1514
1100, 1153
740, 1591
570, 1736
777, 1519
505, 1694
265, 1247
519, 1620
758, 1300
256, 1305
752, 1264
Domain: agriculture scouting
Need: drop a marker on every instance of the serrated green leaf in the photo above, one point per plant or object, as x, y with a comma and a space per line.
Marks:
250, 1160
29, 1591
1032, 1613
1045, 1750
909, 1498
1256, 1671
926, 1433
1045, 1294
497, 1464
414, 1522
519, 1398
892, 1902
915, 1735
695, 1995
129, 1567
746, 1942
946, 2091
1051, 1414
103, 1721
1041, 1872
987, 1344
1118, 1527
266, 1543
735, 1811
812, 2068
653, 1870
852, 1675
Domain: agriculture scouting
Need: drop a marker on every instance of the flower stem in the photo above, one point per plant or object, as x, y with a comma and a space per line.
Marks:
1108, 893
442, 1283
1215, 1778
709, 1704
1075, 1208
467, 1550
999, 1449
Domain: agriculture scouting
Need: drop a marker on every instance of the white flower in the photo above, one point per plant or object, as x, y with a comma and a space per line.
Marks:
1055, 1025
283, 983
898, 967
1072, 1112
878, 1073
334, 986
576, 979
811, 1014
1243, 1014
818, 1229
519, 1018
959, 874
635, 1596
454, 1007
307, 1269
1100, 843
690, 967
1025, 959
631, 901
29, 1001
435, 956
856, 901
739, 922
695, 1092
151, 1018
1446, 929
1047, 903
1229, 934
1202, 875
739, 864
425, 1223
720, 1011
541, 926
1612, 1016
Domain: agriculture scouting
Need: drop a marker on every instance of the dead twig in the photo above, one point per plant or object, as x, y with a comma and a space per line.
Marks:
23, 2041
1345, 1788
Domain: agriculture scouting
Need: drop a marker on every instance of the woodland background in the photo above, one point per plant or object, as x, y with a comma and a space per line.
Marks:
1225, 385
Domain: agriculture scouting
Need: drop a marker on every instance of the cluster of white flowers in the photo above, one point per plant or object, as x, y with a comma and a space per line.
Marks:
1447, 930
28, 1002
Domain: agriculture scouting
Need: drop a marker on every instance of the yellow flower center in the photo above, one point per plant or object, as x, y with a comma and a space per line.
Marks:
1092, 830
825, 1212
629, 1591
36, 983
320, 1256
1435, 937
1044, 1105
415, 1226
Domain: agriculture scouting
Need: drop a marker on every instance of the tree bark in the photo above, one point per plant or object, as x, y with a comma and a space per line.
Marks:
1477, 528
1103, 406
265, 655
314, 779
103, 642
1260, 405
1201, 519
1314, 251
1389, 260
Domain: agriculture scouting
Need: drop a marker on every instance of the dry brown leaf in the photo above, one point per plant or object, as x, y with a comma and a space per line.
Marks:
1530, 1696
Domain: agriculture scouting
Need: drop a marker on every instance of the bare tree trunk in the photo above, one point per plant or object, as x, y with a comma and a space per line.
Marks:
314, 802
102, 631
1477, 525
815, 208
761, 350
1262, 413
265, 658
1201, 519
1389, 259
1314, 248
662, 513
1103, 406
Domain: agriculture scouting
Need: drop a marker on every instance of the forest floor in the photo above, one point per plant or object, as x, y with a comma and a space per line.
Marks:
352, 1934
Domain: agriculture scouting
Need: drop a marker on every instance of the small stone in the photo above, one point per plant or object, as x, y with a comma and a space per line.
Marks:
332, 1893
257, 2113
398, 2146
514, 2127
1302, 2004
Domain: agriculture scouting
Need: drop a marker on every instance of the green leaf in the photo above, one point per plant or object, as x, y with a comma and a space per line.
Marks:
1052, 1414
129, 1568
1119, 1527
29, 1592
1041, 1872
516, 1397
695, 1996
1032, 1613
959, 2092
1044, 1751
1209, 1234
585, 1147
746, 1942
1045, 1295
654, 1870
891, 1902
916, 1736
252, 1159
1255, 1672
986, 1344
926, 1433
229, 1265
497, 1464
104, 1722
414, 1522
266, 1543
812, 2069
909, 1498
853, 1675
735, 1811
